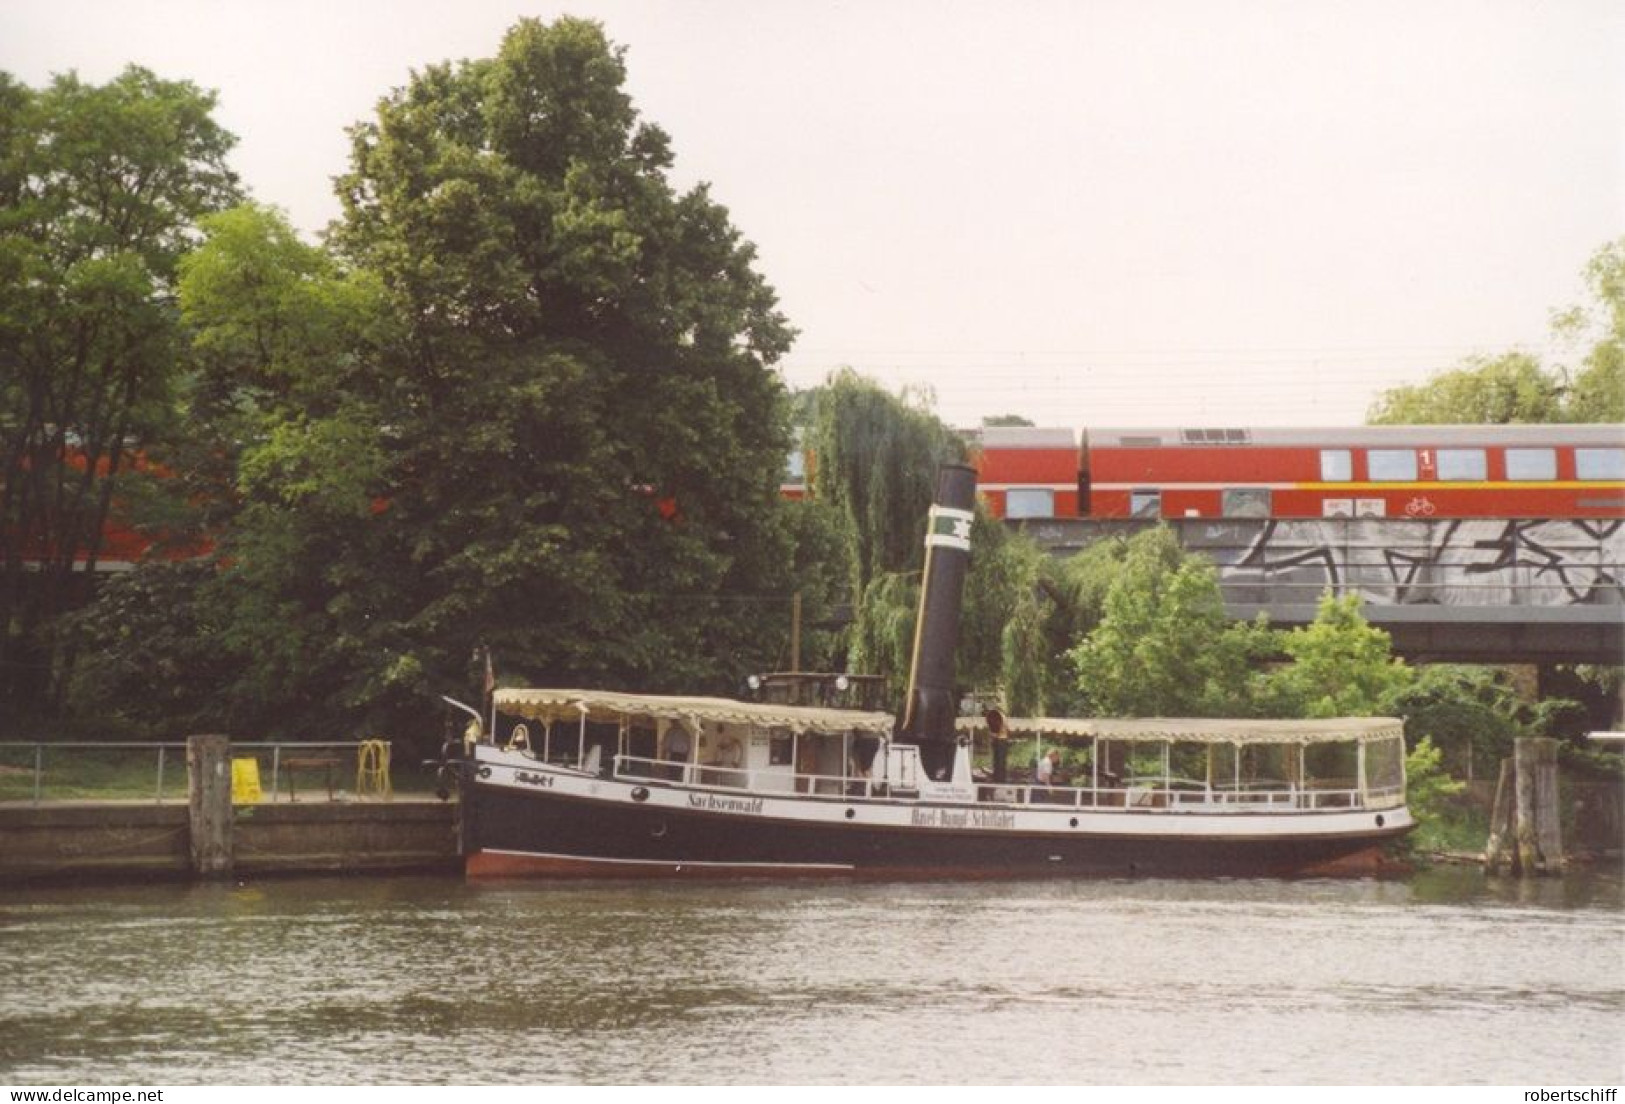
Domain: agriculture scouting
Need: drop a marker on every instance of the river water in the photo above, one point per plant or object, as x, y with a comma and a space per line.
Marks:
1442, 978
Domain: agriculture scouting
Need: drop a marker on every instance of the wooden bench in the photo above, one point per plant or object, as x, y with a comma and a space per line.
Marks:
290, 767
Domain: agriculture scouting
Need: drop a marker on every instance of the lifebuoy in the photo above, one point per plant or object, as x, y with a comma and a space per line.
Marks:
729, 753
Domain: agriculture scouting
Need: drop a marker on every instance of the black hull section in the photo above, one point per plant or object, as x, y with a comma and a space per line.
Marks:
516, 833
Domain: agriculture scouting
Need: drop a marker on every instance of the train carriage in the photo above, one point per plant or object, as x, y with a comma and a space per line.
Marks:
1562, 471
1539, 471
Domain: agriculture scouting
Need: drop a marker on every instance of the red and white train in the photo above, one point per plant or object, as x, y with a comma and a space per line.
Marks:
1525, 471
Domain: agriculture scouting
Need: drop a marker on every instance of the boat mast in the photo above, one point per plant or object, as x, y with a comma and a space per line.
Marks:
930, 707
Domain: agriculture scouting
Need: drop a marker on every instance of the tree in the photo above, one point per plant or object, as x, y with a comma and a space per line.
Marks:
1597, 384
101, 188
561, 439
876, 457
1342, 666
1474, 714
1509, 389
1003, 622
1515, 387
1163, 646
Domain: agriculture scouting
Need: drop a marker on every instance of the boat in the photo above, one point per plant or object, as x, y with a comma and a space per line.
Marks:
587, 783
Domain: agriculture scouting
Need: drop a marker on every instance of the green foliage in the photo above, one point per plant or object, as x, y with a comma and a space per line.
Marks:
1163, 646
1428, 790
876, 457
101, 188
1597, 331
1470, 714
150, 662
1516, 387
1509, 389
882, 631
559, 437
818, 573
1341, 666
1001, 639
272, 316
524, 401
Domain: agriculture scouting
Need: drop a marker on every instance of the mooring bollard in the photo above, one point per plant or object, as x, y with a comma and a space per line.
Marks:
208, 772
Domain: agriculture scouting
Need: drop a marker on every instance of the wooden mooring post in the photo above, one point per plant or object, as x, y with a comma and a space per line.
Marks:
208, 771
1526, 835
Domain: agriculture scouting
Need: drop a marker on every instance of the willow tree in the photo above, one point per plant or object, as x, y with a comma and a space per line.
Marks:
876, 456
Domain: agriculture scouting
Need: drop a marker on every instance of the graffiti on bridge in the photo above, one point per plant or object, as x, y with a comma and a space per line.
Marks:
1454, 562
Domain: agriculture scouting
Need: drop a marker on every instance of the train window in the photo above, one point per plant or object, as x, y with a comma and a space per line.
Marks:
1599, 463
1463, 464
1143, 504
1247, 502
1029, 502
1531, 463
1336, 465
1395, 465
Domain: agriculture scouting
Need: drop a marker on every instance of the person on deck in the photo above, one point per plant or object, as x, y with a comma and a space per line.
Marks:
1044, 773
1001, 744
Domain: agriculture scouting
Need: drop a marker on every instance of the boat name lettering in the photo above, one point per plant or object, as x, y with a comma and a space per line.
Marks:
715, 804
962, 818
527, 778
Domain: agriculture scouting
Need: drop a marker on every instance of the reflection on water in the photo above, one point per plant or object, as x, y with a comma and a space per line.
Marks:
1446, 978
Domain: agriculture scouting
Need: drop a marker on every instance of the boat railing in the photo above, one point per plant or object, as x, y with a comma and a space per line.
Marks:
722, 776
1179, 794
1190, 796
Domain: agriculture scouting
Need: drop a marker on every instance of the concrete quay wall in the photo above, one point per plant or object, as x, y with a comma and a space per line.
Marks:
144, 840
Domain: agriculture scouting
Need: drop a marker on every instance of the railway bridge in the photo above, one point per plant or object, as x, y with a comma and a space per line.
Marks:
1457, 590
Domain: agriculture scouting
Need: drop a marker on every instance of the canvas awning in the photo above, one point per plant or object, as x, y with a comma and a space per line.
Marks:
1197, 730
548, 706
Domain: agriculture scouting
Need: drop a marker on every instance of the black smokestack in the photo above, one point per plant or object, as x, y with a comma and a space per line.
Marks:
930, 709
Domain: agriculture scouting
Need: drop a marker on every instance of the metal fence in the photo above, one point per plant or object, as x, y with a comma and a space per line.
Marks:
39, 771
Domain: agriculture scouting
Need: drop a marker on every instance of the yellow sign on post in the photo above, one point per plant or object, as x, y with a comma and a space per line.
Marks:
245, 782
372, 769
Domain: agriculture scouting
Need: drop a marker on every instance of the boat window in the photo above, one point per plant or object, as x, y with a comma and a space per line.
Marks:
1599, 463
1187, 766
1145, 504
1336, 465
1029, 502
1265, 766
1385, 765
780, 748
1247, 502
1144, 762
1392, 465
1331, 766
1531, 463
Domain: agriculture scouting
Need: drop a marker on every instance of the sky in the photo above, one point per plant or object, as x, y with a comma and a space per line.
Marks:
1086, 213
